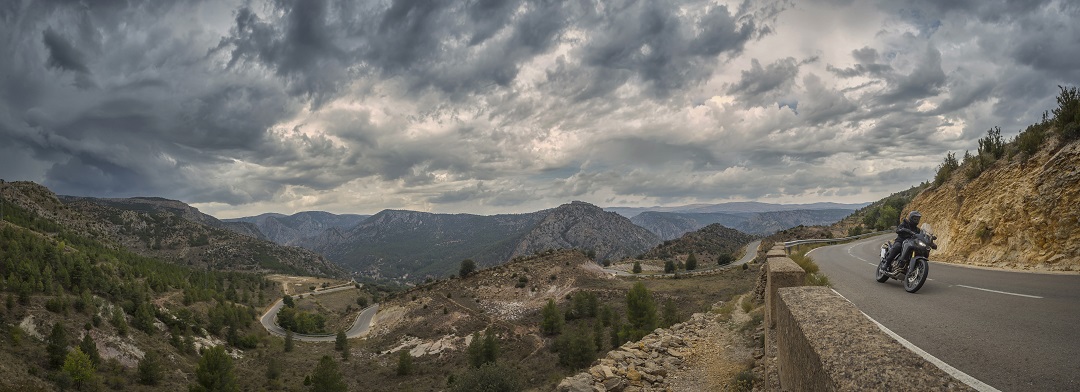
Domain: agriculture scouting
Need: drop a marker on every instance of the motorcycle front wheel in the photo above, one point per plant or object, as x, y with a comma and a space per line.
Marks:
879, 274
917, 275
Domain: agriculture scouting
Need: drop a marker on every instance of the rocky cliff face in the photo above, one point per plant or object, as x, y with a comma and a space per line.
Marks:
1020, 213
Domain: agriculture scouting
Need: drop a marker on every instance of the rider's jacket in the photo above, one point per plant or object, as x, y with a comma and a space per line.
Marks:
902, 230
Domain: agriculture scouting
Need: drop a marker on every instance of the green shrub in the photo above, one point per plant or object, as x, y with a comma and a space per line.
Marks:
404, 365
1067, 114
490, 377
946, 169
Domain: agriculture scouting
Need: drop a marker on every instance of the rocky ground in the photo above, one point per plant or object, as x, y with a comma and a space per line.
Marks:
706, 353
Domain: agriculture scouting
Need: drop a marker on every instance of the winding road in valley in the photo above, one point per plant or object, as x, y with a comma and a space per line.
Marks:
360, 327
1013, 331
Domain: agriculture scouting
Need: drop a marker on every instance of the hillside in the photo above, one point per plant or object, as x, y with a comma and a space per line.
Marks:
706, 244
585, 226
66, 289
671, 225
1021, 212
165, 229
435, 321
411, 245
290, 229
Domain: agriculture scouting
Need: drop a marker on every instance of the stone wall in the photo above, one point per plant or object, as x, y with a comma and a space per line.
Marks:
824, 343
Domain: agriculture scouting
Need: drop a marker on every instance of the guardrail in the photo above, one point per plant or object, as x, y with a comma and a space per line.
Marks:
788, 244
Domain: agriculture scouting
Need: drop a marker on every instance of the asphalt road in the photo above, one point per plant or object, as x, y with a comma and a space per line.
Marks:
1014, 331
359, 328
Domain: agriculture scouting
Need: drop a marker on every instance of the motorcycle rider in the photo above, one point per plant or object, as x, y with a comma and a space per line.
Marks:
905, 231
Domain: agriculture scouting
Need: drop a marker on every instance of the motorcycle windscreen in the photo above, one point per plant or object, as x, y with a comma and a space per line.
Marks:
926, 228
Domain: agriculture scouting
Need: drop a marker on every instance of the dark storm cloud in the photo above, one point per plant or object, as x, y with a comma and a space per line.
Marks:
300, 47
763, 86
62, 54
650, 41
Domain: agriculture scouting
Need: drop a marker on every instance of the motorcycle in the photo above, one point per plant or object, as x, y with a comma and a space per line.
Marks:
918, 267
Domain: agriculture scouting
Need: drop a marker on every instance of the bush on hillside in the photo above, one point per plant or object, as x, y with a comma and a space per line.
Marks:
946, 169
1067, 114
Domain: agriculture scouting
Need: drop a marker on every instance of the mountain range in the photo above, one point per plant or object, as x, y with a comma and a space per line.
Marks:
290, 229
671, 225
735, 207
410, 244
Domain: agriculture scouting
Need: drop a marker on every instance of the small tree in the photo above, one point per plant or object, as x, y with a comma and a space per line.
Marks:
288, 341
483, 348
577, 349
341, 342
149, 370
214, 373
637, 267
640, 312
57, 346
362, 301
288, 301
724, 259
553, 319
404, 364
467, 267
669, 267
691, 262
327, 377
946, 169
79, 369
89, 348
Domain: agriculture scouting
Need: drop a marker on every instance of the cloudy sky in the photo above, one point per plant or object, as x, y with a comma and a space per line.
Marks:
491, 106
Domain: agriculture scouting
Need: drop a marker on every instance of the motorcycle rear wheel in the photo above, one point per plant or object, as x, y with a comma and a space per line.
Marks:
915, 278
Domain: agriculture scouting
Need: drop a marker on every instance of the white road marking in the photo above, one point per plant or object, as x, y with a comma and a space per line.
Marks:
963, 377
1001, 292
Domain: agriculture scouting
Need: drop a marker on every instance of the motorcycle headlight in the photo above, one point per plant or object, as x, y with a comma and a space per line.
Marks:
922, 244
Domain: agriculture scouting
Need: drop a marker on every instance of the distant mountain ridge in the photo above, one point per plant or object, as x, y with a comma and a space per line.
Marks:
735, 207
290, 229
410, 244
671, 225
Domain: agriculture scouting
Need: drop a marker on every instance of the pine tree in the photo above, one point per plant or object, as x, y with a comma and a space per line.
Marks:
149, 370
553, 319
691, 262
467, 267
288, 341
214, 372
637, 267
57, 346
640, 312
341, 342
483, 349
404, 365
89, 348
327, 377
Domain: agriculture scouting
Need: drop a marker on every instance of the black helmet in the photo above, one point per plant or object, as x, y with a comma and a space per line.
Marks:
914, 217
